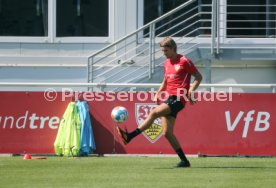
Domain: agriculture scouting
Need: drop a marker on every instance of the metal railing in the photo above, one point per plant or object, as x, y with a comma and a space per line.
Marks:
251, 21
137, 55
243, 21
129, 85
140, 49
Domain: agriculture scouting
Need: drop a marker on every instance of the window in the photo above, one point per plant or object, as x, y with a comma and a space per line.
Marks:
193, 20
156, 8
23, 18
251, 18
83, 18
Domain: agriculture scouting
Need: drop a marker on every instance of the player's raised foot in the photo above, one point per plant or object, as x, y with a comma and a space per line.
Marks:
124, 135
183, 164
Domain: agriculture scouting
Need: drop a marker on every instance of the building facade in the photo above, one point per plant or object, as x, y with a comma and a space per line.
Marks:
55, 37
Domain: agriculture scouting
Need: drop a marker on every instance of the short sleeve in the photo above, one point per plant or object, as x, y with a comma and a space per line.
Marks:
189, 66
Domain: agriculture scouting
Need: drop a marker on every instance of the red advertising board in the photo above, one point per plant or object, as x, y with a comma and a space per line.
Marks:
241, 124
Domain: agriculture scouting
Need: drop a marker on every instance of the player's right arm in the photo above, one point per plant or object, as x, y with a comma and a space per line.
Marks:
161, 88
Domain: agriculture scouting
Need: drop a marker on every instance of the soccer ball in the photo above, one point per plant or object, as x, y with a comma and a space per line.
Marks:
119, 114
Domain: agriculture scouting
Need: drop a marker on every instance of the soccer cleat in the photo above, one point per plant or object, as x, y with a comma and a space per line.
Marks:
124, 135
183, 164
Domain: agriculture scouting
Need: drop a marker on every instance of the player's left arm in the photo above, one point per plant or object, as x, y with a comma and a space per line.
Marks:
194, 85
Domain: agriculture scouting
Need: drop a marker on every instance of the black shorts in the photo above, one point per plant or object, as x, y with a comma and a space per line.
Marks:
175, 105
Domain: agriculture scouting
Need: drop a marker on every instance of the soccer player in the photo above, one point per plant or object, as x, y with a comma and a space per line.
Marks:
177, 75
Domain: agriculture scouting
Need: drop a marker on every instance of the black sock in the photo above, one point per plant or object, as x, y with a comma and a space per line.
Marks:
181, 155
134, 133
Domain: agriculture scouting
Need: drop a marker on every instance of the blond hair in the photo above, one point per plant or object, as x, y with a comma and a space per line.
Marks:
169, 43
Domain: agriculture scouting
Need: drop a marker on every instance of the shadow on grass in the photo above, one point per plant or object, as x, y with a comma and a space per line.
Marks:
217, 167
237, 167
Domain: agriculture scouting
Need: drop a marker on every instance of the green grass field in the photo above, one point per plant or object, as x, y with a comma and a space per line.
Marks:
132, 172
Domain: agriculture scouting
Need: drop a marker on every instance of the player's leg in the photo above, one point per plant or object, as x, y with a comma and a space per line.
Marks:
168, 125
161, 110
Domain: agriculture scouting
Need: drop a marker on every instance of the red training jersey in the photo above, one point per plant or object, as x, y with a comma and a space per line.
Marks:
178, 76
